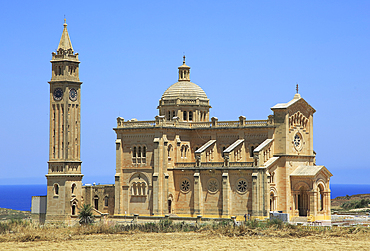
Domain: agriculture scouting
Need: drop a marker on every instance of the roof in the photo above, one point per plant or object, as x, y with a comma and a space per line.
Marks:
297, 98
205, 146
309, 171
233, 145
65, 42
262, 145
184, 89
286, 105
270, 162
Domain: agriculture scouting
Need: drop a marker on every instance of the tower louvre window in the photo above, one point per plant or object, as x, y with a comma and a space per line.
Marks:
185, 117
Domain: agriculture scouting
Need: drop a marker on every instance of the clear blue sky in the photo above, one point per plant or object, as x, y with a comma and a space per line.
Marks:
246, 55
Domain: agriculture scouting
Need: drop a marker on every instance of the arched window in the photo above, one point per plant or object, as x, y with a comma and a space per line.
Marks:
139, 154
251, 154
173, 114
106, 200
185, 117
73, 188
74, 209
144, 151
190, 116
183, 151
56, 189
134, 152
169, 148
138, 188
169, 115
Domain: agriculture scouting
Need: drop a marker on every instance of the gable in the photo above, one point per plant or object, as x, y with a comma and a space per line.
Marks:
295, 105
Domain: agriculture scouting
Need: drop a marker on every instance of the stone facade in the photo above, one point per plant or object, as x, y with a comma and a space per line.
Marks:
185, 163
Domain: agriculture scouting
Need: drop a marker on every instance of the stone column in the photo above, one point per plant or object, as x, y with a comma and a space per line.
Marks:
313, 202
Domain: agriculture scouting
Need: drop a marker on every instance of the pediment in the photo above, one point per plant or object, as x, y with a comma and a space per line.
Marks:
301, 106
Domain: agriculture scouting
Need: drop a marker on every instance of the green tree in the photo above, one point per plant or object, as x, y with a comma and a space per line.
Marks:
85, 214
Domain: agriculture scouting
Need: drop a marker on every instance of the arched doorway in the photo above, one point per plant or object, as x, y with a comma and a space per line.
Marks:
96, 202
170, 204
321, 197
303, 201
273, 203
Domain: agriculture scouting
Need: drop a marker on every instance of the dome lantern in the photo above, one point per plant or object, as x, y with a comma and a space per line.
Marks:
184, 71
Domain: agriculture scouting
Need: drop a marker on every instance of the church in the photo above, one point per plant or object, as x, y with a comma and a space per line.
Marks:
184, 163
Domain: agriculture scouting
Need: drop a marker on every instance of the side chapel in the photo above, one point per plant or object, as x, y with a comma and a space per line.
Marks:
183, 162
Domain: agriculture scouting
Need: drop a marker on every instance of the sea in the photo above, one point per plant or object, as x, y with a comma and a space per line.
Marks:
18, 197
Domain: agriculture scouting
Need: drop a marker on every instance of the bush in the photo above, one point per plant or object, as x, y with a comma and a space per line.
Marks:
85, 214
356, 204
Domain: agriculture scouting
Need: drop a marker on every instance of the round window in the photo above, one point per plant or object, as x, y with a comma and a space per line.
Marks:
212, 185
185, 185
241, 186
297, 141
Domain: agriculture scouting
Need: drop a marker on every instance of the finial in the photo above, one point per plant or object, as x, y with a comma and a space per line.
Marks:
296, 88
183, 61
65, 24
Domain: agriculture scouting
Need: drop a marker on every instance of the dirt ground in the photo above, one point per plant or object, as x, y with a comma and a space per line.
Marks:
190, 241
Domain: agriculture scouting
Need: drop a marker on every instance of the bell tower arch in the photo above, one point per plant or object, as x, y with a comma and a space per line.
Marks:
64, 178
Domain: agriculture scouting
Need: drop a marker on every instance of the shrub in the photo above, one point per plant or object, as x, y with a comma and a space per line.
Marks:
85, 214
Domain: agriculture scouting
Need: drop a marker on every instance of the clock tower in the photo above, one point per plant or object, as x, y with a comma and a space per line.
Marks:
64, 178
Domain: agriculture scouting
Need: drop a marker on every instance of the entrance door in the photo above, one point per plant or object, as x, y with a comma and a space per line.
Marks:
303, 202
96, 202
169, 206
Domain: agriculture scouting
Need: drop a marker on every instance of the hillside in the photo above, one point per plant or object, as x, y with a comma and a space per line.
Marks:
338, 201
7, 214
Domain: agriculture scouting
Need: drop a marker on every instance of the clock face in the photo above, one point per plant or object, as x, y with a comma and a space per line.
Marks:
73, 94
58, 94
297, 141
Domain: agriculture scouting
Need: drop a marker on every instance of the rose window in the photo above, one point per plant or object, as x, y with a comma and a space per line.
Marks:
242, 186
212, 185
185, 185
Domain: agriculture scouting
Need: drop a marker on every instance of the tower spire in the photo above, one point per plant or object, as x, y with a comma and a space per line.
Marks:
65, 41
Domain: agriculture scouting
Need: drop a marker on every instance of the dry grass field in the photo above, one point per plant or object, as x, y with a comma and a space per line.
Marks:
192, 241
169, 236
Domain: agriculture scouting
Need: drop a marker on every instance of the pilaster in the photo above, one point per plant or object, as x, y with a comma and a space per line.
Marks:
225, 193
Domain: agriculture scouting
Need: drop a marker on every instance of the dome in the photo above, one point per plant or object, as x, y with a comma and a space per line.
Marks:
184, 89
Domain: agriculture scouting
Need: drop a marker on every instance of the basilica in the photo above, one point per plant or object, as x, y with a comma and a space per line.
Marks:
184, 163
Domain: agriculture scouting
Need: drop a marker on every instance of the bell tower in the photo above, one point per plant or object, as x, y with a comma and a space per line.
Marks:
64, 178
